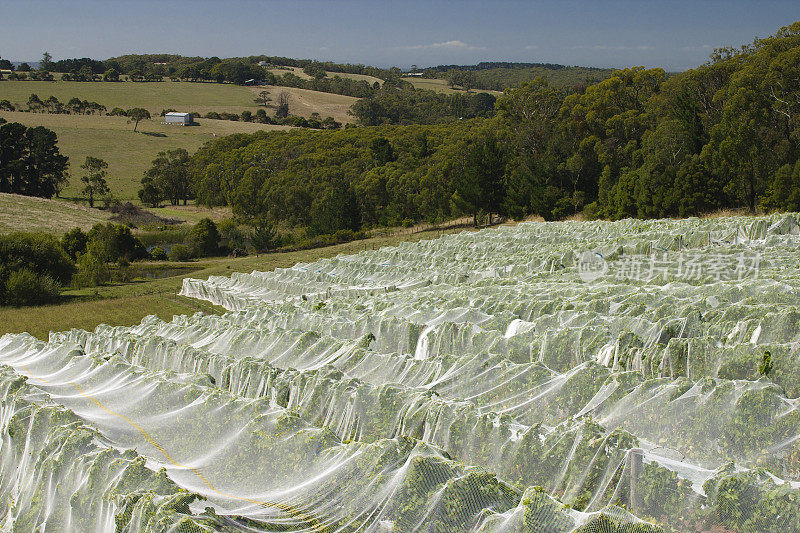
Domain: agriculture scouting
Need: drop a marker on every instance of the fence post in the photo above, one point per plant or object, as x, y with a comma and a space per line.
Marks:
636, 461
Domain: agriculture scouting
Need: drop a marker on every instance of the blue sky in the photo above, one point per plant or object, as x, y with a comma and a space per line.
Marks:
675, 35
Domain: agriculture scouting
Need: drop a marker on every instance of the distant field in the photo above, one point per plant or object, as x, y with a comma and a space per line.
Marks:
184, 96
441, 86
303, 102
128, 154
368, 79
153, 96
297, 71
26, 213
192, 213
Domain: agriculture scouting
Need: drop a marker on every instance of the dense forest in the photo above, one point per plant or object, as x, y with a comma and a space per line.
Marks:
636, 144
499, 76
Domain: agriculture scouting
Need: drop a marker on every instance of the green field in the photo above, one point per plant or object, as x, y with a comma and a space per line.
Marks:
184, 96
126, 304
441, 86
27, 213
128, 153
153, 96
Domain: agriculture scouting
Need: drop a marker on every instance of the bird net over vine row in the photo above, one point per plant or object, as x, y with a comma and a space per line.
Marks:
632, 376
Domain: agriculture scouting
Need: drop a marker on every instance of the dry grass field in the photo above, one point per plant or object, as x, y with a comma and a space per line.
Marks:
303, 102
297, 71
26, 213
441, 86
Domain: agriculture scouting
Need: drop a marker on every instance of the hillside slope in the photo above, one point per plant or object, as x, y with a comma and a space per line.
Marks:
27, 213
128, 153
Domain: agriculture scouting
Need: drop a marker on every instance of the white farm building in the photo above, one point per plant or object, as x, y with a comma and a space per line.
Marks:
184, 119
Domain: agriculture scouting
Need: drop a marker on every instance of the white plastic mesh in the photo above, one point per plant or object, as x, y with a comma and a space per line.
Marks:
634, 376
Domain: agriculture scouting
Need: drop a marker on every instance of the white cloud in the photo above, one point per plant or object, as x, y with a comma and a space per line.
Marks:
446, 45
608, 47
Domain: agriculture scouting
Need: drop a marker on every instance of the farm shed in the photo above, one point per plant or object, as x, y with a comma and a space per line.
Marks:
178, 118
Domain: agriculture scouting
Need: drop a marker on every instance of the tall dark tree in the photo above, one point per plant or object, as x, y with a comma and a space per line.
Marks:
46, 168
46, 64
12, 156
30, 162
481, 185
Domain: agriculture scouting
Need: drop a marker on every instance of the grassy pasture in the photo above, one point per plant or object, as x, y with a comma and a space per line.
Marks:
153, 96
441, 86
192, 213
26, 213
357, 77
127, 304
128, 153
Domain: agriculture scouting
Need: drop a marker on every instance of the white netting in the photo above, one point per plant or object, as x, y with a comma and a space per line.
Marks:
630, 376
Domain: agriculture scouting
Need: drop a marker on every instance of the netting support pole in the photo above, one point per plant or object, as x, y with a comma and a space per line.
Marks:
636, 460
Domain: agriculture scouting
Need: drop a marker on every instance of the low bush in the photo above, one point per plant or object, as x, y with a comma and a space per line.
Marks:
203, 239
158, 254
25, 287
74, 242
113, 241
344, 235
92, 271
180, 252
41, 256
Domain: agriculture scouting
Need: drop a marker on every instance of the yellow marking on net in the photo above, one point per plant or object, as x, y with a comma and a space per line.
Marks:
283, 507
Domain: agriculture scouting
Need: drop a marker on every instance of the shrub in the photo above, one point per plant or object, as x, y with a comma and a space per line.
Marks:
38, 253
231, 234
180, 252
164, 235
203, 239
92, 271
158, 254
264, 237
124, 273
25, 287
344, 235
110, 242
74, 242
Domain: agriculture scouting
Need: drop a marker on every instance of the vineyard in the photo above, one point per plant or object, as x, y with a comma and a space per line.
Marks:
631, 376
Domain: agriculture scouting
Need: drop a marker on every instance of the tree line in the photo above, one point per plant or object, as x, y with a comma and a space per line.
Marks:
636, 144
500, 75
398, 102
